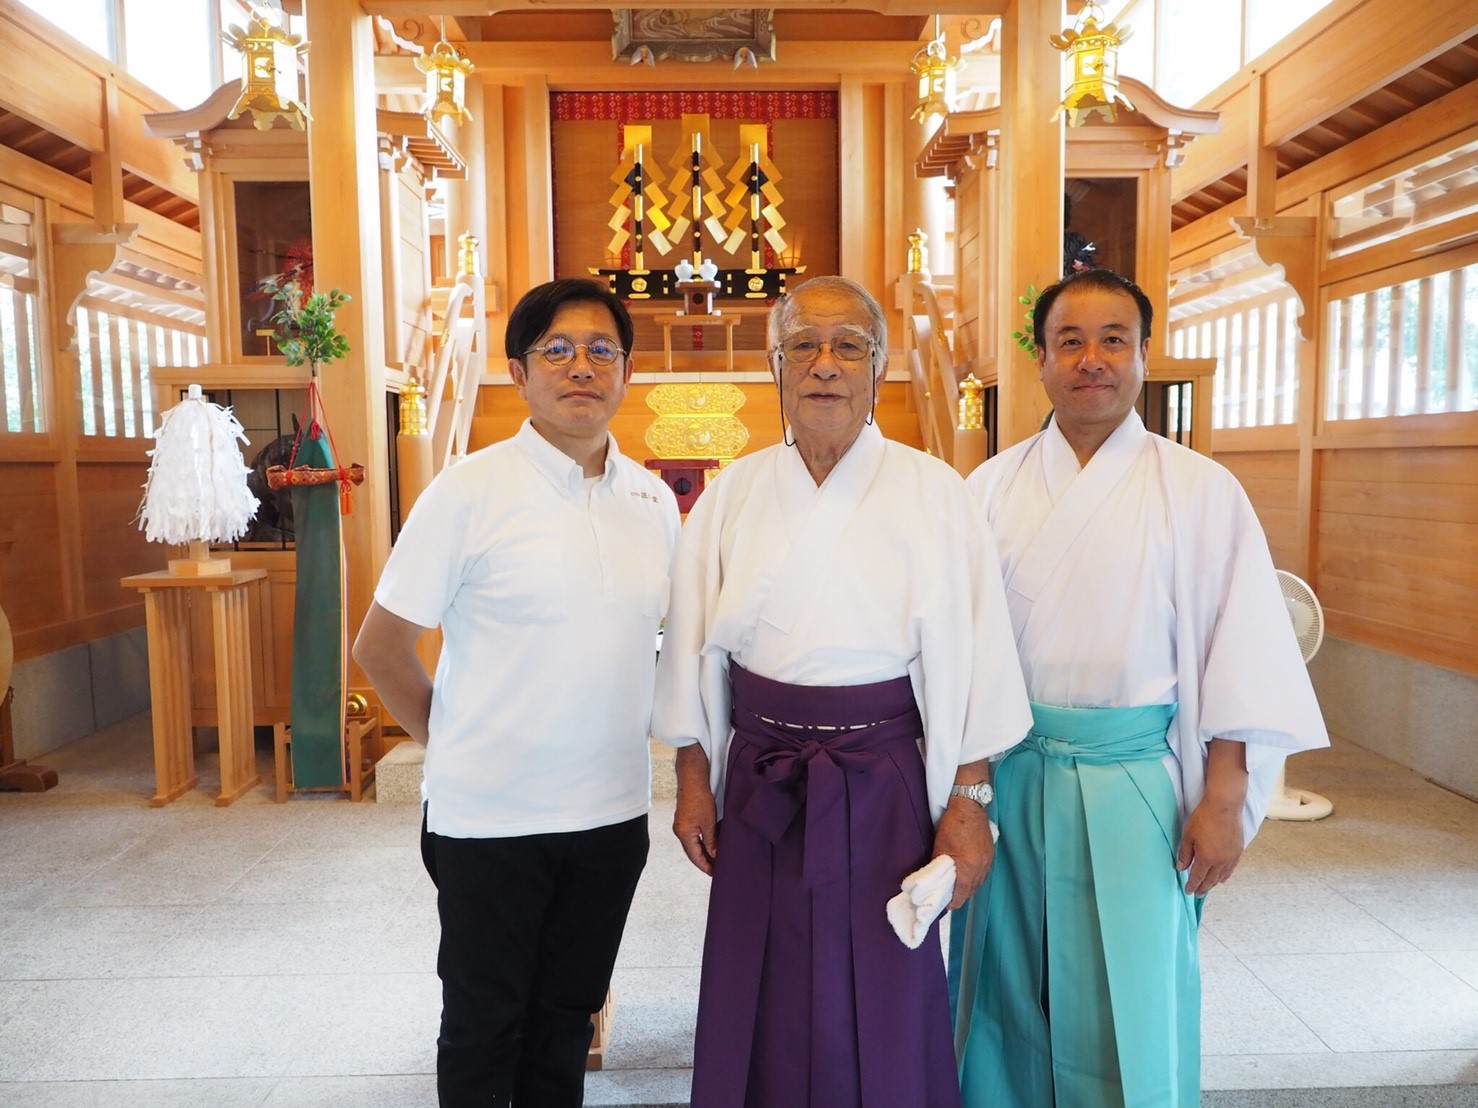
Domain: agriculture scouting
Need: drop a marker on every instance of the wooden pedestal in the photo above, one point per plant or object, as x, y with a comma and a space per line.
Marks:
167, 600
727, 322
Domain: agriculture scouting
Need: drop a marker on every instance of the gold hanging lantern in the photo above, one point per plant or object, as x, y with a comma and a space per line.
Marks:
446, 82
269, 76
1094, 46
935, 70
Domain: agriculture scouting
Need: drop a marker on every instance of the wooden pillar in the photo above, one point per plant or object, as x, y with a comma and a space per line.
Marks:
897, 167
391, 158
852, 201
345, 195
538, 183
1029, 232
1310, 360
485, 141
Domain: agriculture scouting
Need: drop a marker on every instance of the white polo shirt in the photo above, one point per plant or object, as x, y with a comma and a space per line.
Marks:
549, 590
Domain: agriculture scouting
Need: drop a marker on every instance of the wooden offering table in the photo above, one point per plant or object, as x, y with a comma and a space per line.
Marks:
728, 322
167, 599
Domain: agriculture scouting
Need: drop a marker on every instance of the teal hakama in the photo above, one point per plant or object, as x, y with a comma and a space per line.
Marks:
1075, 965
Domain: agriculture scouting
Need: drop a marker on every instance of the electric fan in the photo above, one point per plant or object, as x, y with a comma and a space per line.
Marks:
1308, 627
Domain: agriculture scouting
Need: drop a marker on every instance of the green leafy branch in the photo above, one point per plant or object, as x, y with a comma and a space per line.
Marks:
305, 324
1026, 338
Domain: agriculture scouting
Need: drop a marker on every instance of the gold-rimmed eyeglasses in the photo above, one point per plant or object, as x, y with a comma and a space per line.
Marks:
804, 351
561, 352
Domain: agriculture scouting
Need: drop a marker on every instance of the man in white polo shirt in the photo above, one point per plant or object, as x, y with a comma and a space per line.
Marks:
544, 559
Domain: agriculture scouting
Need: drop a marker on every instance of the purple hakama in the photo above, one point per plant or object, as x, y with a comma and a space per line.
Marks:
808, 999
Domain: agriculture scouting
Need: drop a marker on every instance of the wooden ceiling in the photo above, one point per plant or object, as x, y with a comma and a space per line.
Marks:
897, 22
50, 149
1400, 96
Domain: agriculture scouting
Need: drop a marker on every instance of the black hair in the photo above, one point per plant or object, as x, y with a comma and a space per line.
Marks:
1104, 279
535, 311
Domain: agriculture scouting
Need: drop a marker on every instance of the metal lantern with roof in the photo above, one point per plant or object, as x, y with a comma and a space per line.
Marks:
446, 82
936, 73
269, 75
1094, 46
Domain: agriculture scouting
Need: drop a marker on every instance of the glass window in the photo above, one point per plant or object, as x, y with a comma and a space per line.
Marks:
154, 34
87, 21
1137, 55
1201, 48
1270, 21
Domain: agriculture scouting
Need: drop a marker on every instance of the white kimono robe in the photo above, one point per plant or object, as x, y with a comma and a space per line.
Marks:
1145, 578
884, 570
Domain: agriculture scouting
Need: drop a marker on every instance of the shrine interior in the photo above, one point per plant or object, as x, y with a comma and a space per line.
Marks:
1294, 185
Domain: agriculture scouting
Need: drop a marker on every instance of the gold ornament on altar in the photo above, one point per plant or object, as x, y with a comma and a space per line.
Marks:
446, 72
468, 263
972, 404
918, 251
697, 421
935, 70
1094, 46
269, 74
413, 408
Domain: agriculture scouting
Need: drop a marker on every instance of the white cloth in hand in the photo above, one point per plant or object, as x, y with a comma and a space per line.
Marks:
925, 894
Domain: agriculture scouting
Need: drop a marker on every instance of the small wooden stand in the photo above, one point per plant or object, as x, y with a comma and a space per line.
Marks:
167, 598
364, 745
199, 562
727, 322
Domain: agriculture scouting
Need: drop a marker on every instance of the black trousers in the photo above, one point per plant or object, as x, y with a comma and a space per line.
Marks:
530, 927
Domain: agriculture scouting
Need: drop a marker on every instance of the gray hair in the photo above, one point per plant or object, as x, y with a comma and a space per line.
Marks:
779, 324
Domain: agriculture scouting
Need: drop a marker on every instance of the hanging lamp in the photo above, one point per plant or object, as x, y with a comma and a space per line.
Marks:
1094, 46
935, 70
446, 72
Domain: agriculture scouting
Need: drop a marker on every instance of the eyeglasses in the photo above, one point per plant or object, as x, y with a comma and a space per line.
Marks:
561, 352
804, 351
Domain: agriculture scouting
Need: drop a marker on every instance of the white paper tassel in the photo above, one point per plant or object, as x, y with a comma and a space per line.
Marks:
196, 489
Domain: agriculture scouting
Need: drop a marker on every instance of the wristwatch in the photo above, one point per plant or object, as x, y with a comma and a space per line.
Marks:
980, 792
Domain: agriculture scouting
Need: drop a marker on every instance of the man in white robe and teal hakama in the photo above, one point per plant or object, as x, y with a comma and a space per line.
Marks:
1167, 689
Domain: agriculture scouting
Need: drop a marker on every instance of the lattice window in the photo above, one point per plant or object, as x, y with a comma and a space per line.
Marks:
21, 398
1439, 190
1405, 349
1236, 311
139, 320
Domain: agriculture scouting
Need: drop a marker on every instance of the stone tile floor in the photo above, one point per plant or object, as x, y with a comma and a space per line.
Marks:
284, 955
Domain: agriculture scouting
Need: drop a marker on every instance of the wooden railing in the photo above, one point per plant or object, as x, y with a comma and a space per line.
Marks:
934, 376
451, 384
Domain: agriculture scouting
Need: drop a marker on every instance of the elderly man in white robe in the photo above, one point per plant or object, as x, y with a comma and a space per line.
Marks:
1167, 689
835, 671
